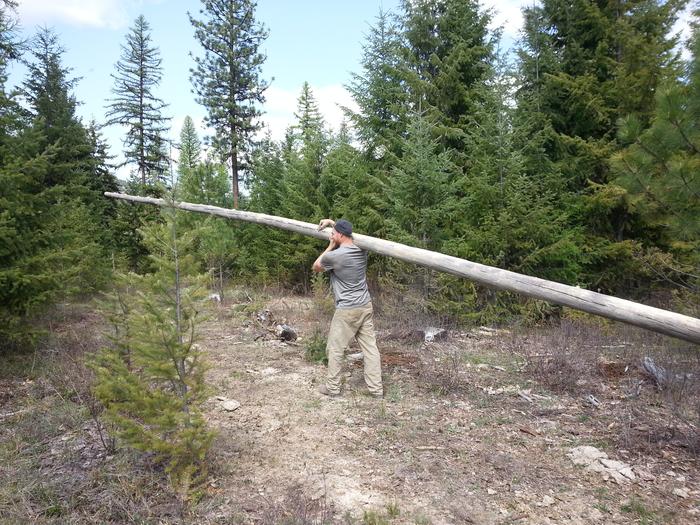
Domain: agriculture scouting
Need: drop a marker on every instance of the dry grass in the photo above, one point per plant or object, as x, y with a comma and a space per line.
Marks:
59, 463
582, 357
296, 508
442, 370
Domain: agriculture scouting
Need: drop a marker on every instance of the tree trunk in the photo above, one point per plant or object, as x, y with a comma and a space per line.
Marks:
234, 177
655, 319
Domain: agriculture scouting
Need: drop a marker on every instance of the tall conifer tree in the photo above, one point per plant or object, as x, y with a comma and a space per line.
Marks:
584, 65
152, 383
379, 91
660, 169
227, 78
448, 53
136, 106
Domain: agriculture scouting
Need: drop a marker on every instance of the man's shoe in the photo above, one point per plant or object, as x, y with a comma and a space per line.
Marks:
323, 389
377, 396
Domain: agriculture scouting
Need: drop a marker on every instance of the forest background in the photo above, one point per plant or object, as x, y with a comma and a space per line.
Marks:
574, 159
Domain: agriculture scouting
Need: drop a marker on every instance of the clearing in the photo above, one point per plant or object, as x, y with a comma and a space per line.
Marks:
481, 426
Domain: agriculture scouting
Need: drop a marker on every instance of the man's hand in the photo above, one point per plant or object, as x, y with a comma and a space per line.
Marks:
325, 223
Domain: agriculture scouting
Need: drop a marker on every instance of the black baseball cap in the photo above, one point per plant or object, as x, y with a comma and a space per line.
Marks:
344, 227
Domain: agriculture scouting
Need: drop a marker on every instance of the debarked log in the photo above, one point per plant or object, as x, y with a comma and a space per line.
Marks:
655, 319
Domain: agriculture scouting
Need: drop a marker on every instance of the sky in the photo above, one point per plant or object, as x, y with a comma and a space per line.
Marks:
317, 41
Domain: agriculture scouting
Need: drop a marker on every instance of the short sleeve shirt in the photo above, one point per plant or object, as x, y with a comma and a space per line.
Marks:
347, 266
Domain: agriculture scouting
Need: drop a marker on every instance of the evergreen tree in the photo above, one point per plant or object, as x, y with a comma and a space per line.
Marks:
130, 218
306, 161
447, 55
26, 282
136, 106
419, 194
99, 180
49, 214
227, 78
350, 188
379, 91
154, 394
659, 169
262, 249
9, 43
205, 183
48, 90
583, 66
303, 158
190, 146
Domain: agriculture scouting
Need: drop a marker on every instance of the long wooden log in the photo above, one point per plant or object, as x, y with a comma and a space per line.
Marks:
655, 319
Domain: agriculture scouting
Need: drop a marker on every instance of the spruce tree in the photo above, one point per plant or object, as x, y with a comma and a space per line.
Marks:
448, 52
227, 79
584, 65
48, 90
351, 189
136, 106
50, 217
419, 193
379, 91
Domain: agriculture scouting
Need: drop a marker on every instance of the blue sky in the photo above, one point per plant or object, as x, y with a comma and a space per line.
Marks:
319, 41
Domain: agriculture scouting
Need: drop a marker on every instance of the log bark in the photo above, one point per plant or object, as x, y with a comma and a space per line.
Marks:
655, 319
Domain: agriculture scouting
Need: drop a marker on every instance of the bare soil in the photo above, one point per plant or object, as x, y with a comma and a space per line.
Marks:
473, 428
464, 434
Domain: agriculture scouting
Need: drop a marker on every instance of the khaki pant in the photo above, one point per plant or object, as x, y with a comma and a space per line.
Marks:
346, 324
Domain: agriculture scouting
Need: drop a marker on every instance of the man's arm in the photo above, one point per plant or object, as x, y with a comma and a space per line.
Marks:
317, 263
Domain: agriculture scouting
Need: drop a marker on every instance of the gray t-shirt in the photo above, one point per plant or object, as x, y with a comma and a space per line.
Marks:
347, 266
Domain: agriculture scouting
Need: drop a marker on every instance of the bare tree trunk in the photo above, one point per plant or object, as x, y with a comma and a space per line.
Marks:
655, 319
234, 177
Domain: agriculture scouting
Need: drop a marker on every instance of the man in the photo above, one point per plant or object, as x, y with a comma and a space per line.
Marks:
347, 266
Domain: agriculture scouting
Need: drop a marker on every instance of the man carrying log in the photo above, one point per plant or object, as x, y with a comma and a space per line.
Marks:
347, 267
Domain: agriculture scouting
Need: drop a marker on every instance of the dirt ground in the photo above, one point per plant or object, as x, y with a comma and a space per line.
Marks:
463, 435
477, 427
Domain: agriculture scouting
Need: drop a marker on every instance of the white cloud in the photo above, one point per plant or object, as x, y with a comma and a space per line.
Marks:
508, 15
111, 14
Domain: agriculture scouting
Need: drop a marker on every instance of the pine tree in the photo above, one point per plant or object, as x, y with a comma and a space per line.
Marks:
227, 78
154, 394
659, 170
136, 106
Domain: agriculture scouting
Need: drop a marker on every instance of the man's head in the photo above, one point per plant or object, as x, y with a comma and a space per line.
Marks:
343, 227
